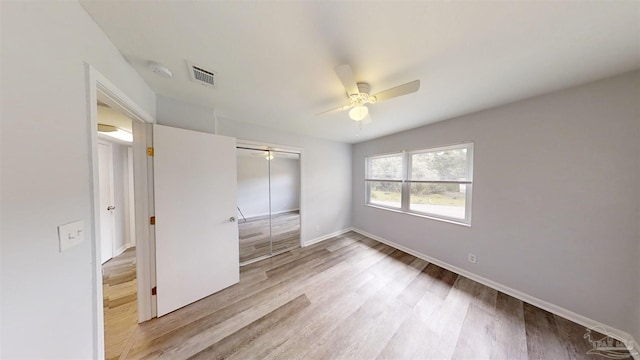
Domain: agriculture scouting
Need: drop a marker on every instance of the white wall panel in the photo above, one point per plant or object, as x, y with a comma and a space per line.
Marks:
46, 174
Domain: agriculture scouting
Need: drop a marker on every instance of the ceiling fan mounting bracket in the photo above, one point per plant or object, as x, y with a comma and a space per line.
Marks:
364, 88
362, 97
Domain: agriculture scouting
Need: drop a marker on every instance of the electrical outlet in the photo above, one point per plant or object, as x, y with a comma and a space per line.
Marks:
317, 227
472, 258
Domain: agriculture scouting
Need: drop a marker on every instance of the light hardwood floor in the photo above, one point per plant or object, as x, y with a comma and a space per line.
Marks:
351, 297
254, 234
120, 302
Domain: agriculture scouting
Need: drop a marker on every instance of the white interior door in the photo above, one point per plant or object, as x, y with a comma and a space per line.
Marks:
195, 208
107, 221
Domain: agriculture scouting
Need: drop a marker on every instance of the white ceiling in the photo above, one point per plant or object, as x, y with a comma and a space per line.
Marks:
274, 60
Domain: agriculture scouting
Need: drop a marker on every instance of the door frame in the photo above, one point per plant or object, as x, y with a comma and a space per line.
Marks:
98, 86
261, 145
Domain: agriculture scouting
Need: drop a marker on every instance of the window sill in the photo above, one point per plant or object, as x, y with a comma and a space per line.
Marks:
400, 211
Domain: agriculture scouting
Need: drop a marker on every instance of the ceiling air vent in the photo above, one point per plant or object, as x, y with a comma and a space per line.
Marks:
201, 75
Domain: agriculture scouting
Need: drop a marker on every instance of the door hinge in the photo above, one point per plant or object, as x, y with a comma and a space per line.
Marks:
150, 151
152, 220
154, 290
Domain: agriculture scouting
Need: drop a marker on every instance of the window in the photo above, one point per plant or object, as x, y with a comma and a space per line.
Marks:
433, 182
385, 180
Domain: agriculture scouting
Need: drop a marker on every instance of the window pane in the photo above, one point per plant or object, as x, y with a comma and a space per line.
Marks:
388, 167
440, 165
439, 199
385, 193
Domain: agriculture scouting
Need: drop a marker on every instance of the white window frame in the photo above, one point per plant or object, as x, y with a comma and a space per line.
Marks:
401, 180
406, 183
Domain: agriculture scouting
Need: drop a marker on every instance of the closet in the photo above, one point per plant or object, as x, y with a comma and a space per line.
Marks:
268, 202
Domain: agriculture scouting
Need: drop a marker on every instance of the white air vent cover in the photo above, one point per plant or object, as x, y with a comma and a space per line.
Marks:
201, 75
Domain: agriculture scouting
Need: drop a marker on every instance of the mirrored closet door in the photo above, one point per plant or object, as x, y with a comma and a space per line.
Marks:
268, 202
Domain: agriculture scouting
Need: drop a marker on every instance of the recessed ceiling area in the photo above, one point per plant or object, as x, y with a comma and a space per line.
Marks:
274, 61
113, 125
112, 117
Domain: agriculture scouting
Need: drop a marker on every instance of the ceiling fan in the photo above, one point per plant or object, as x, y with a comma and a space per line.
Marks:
358, 94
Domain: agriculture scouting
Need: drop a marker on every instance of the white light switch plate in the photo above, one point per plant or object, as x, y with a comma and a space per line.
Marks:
70, 234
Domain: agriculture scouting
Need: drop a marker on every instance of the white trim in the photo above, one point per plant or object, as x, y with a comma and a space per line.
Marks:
418, 214
112, 140
405, 181
327, 237
262, 145
617, 334
114, 97
144, 208
130, 199
303, 197
97, 294
251, 216
124, 248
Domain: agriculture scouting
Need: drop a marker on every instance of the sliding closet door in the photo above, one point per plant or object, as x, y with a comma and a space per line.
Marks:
285, 201
253, 204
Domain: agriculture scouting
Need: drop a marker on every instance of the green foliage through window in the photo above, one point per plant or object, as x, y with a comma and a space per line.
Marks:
437, 182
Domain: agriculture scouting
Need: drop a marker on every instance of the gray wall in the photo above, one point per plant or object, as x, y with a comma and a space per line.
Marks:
555, 198
47, 308
253, 184
580, 252
326, 176
326, 165
285, 184
172, 112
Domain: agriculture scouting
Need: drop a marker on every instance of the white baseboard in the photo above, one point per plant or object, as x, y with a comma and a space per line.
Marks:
326, 237
617, 334
251, 216
122, 249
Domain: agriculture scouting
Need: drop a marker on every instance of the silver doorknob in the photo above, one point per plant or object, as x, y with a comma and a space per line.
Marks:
232, 219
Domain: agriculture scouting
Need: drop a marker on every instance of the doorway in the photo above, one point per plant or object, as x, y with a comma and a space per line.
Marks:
102, 90
268, 202
117, 228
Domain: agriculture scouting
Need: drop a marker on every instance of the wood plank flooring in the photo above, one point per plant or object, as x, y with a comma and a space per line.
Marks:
120, 302
254, 234
351, 297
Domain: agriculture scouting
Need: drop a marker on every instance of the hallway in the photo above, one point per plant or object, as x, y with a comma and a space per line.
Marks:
120, 302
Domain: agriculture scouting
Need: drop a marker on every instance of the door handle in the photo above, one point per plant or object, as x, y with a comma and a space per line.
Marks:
111, 207
232, 219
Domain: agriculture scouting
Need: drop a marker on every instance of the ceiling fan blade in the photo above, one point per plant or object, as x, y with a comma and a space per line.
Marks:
338, 109
404, 89
346, 77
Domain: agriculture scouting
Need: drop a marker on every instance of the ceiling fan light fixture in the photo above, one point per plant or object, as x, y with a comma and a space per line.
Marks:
358, 113
106, 128
115, 132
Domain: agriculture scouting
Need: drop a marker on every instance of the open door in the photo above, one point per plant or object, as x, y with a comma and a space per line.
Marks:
195, 209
